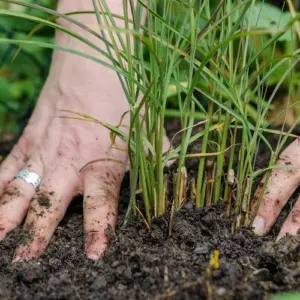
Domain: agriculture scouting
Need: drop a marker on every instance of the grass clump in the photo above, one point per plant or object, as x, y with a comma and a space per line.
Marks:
216, 65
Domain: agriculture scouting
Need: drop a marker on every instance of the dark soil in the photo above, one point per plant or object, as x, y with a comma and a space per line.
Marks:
149, 265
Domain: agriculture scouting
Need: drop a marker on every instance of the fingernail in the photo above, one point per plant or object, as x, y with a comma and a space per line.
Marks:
17, 258
92, 256
259, 225
281, 235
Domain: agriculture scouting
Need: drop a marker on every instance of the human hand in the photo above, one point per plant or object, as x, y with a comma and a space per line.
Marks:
56, 149
60, 150
281, 185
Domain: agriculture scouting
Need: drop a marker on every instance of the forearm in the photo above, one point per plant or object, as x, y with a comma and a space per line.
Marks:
65, 6
79, 65
89, 20
71, 71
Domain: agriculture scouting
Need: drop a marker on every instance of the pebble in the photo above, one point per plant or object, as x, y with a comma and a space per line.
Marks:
202, 250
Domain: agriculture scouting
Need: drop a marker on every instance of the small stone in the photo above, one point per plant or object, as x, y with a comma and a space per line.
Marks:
54, 262
121, 287
189, 206
214, 242
115, 264
202, 249
221, 291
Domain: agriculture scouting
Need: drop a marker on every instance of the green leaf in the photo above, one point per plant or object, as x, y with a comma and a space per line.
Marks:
5, 93
22, 87
286, 296
267, 16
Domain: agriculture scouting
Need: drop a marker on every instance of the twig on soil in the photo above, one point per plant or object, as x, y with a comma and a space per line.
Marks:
187, 285
143, 218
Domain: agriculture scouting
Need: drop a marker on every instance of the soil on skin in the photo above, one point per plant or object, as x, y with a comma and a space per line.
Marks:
148, 265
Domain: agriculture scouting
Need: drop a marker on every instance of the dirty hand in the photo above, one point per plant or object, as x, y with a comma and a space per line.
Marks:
281, 185
56, 149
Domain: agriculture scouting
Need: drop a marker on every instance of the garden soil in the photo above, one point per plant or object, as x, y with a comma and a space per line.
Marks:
150, 265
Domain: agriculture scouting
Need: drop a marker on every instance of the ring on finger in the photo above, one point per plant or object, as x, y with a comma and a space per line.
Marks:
30, 177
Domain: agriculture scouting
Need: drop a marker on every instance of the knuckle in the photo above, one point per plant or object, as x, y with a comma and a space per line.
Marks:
45, 205
26, 143
3, 183
102, 198
19, 152
270, 204
103, 190
290, 156
42, 199
14, 190
29, 138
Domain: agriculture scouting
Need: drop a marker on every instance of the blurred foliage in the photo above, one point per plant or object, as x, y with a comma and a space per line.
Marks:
286, 296
272, 16
21, 79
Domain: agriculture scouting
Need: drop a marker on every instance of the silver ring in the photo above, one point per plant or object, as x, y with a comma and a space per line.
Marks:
30, 177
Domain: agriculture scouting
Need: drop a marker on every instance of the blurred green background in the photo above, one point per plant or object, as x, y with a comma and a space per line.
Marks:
22, 78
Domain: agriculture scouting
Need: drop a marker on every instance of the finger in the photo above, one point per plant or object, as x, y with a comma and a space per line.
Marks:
101, 191
280, 187
292, 223
15, 200
47, 208
11, 166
